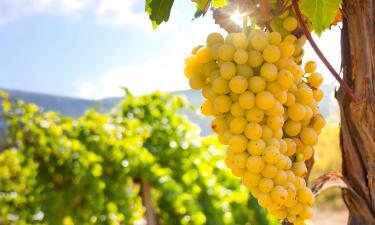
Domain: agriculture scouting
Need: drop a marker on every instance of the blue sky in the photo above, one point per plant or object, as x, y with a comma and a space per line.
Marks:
89, 48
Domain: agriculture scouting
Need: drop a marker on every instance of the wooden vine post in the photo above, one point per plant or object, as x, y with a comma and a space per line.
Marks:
357, 135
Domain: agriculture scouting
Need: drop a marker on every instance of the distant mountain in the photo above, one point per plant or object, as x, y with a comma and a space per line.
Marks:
76, 107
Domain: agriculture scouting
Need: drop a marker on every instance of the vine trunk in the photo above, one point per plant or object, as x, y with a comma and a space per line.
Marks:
357, 136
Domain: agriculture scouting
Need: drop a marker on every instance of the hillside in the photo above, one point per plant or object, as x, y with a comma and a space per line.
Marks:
75, 107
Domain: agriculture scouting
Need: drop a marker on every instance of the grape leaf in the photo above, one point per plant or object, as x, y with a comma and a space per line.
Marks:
219, 3
158, 11
321, 12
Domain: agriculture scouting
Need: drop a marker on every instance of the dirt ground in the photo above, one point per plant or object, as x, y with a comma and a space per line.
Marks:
323, 216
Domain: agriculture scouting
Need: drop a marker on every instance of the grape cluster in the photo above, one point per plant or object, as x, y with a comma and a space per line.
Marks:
265, 109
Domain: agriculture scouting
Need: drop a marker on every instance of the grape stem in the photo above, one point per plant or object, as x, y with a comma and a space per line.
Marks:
348, 91
264, 12
244, 24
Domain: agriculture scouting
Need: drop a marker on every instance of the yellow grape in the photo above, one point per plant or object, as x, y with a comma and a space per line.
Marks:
238, 125
267, 132
269, 171
310, 67
241, 56
240, 41
255, 58
317, 122
238, 143
271, 155
274, 38
259, 41
290, 23
286, 49
292, 128
238, 84
277, 109
265, 185
244, 70
237, 171
196, 82
315, 80
195, 50
271, 54
299, 169
285, 78
257, 84
236, 110
246, 100
253, 131
214, 38
318, 95
268, 71
256, 147
227, 70
226, 52
291, 99
281, 177
279, 194
222, 103
296, 112
251, 180
305, 195
207, 108
220, 86
204, 55
275, 122
264, 100
264, 199
290, 38
255, 164
309, 136
239, 159
218, 125
254, 115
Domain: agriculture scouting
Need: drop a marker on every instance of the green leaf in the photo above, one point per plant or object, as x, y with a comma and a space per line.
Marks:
219, 3
321, 12
158, 11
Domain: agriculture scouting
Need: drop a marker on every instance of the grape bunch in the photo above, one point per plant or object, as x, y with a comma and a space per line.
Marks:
265, 110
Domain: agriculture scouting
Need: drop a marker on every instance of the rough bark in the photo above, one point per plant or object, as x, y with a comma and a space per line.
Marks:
357, 135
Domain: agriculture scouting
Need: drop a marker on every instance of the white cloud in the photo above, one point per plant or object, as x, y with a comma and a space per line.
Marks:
120, 13
13, 9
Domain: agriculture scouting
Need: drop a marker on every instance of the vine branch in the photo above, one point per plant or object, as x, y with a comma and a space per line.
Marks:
348, 91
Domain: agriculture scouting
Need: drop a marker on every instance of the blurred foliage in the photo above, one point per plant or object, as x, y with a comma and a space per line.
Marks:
328, 159
59, 170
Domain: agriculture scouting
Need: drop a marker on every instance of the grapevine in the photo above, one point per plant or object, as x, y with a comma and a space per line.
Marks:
265, 108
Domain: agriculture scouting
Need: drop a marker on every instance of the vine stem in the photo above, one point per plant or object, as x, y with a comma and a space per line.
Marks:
244, 24
348, 91
264, 6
